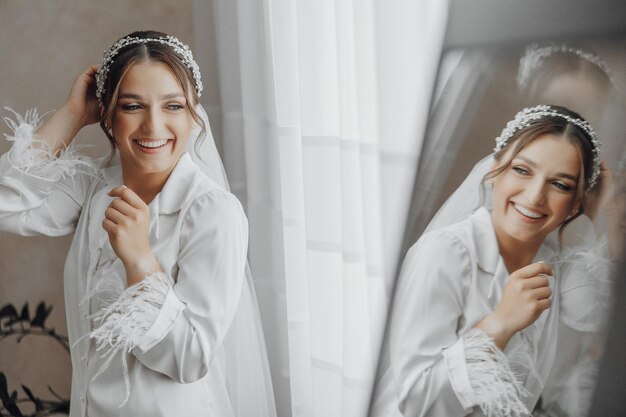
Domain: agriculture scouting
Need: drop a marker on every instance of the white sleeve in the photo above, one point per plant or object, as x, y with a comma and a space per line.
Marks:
176, 329
436, 372
40, 193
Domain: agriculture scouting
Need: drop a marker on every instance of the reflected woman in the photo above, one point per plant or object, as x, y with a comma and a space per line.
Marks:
473, 329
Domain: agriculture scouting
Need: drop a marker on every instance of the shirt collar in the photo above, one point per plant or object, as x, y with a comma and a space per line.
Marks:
176, 188
483, 233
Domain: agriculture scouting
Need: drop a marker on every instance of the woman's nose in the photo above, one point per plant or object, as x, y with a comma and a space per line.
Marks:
536, 192
152, 121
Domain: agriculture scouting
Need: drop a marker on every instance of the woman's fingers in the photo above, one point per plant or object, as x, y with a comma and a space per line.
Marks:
122, 206
129, 196
114, 215
533, 270
544, 304
541, 293
108, 226
537, 281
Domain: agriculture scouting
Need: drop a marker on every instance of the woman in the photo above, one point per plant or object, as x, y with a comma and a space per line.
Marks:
161, 312
474, 324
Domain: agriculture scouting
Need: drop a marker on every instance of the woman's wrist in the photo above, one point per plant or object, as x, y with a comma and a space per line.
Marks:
75, 120
59, 130
139, 268
493, 327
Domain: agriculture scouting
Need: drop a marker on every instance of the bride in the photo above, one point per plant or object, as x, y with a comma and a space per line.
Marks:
473, 329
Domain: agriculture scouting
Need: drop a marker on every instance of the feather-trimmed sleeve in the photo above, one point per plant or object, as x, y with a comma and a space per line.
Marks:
33, 156
177, 329
40, 193
436, 371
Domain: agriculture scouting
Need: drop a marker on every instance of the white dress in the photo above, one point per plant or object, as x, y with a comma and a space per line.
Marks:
168, 330
439, 365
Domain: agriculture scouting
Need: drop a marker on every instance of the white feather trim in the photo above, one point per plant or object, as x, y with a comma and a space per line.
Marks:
39, 160
129, 317
496, 388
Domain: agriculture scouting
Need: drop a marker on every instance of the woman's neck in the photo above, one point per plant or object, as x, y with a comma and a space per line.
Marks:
516, 254
145, 185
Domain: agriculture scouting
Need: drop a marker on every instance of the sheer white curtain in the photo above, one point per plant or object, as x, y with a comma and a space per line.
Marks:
323, 105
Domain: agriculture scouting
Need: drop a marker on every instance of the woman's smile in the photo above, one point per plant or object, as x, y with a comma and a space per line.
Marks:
529, 215
151, 146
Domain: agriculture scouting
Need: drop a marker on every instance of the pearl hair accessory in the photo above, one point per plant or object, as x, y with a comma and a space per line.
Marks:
526, 116
535, 56
180, 48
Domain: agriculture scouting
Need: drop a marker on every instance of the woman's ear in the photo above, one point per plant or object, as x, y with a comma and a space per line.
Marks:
575, 208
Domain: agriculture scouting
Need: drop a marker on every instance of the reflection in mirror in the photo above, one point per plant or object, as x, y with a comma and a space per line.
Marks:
501, 306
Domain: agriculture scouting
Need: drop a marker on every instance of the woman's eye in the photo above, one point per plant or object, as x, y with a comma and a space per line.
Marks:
561, 186
175, 106
131, 107
520, 170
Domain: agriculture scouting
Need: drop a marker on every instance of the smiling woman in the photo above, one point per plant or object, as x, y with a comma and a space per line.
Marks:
161, 311
151, 125
474, 332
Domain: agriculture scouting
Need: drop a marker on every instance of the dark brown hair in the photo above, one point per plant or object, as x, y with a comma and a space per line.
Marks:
142, 52
552, 125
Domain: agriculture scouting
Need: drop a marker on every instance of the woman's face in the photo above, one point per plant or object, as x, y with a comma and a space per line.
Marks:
536, 193
151, 123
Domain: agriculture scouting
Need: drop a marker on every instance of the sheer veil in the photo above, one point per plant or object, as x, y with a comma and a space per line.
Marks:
247, 367
466, 199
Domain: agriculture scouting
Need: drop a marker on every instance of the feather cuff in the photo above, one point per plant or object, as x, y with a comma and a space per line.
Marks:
121, 323
496, 389
39, 160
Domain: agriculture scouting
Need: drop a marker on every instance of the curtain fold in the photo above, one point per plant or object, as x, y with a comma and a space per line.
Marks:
313, 153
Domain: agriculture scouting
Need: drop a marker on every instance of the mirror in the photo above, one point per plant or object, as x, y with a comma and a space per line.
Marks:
496, 61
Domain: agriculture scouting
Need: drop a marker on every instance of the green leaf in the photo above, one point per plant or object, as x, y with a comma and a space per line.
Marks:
12, 407
8, 311
25, 316
4, 387
35, 400
41, 315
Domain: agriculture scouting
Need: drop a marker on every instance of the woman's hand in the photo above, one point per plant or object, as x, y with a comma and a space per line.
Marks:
127, 221
526, 295
81, 102
80, 110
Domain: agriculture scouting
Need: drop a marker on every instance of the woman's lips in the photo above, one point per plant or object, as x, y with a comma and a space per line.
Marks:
529, 215
151, 146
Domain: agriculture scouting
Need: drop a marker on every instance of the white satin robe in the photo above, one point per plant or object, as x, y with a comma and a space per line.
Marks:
450, 280
198, 233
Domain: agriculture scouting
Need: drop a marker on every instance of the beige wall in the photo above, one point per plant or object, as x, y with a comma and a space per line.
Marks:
43, 46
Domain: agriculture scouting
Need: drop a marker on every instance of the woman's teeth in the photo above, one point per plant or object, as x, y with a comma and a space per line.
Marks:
528, 213
152, 144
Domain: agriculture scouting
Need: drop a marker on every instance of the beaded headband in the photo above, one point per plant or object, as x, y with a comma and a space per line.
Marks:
180, 48
535, 56
528, 115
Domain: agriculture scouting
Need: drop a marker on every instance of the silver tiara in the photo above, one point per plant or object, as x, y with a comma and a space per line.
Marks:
525, 117
535, 55
180, 48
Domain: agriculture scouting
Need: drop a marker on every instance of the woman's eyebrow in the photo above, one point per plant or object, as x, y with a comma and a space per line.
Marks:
130, 95
558, 174
140, 97
172, 95
528, 161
